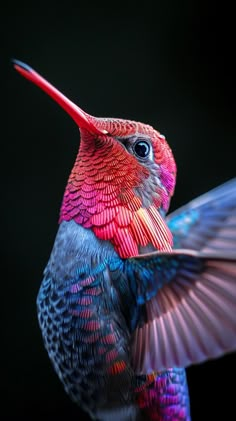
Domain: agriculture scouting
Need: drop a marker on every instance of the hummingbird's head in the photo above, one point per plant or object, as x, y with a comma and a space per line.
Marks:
122, 179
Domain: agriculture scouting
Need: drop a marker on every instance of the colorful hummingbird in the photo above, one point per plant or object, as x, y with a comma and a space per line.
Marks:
131, 297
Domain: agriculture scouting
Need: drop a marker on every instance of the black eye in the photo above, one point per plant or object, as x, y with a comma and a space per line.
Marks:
141, 148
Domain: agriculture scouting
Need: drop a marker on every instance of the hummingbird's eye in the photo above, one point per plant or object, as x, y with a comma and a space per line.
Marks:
141, 148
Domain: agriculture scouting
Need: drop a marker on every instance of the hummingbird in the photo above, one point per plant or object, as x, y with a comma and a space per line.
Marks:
132, 295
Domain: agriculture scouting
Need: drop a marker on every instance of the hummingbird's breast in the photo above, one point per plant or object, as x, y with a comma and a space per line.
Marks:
82, 320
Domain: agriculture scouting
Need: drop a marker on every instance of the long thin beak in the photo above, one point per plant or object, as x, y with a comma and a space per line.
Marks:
82, 119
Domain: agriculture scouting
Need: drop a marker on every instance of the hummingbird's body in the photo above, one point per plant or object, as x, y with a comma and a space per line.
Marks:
87, 324
130, 297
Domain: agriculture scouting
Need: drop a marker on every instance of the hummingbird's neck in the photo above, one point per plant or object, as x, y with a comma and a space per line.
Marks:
101, 194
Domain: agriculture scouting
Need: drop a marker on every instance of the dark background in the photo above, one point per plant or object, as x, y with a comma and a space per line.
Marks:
170, 64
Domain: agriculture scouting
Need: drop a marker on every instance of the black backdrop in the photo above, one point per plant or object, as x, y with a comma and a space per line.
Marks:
165, 63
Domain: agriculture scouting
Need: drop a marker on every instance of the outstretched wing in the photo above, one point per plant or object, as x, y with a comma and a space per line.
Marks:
207, 223
190, 315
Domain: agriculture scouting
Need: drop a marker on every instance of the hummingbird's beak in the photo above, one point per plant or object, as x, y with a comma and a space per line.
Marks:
82, 119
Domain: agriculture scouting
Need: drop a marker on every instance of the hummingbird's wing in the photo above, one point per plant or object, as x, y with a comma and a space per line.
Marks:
207, 223
189, 314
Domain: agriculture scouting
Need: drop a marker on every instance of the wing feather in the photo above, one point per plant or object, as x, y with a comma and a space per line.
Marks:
190, 319
207, 223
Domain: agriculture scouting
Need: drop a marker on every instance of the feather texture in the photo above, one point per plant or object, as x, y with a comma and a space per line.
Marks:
101, 194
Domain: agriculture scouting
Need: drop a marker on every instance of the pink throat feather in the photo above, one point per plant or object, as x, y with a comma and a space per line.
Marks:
100, 195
